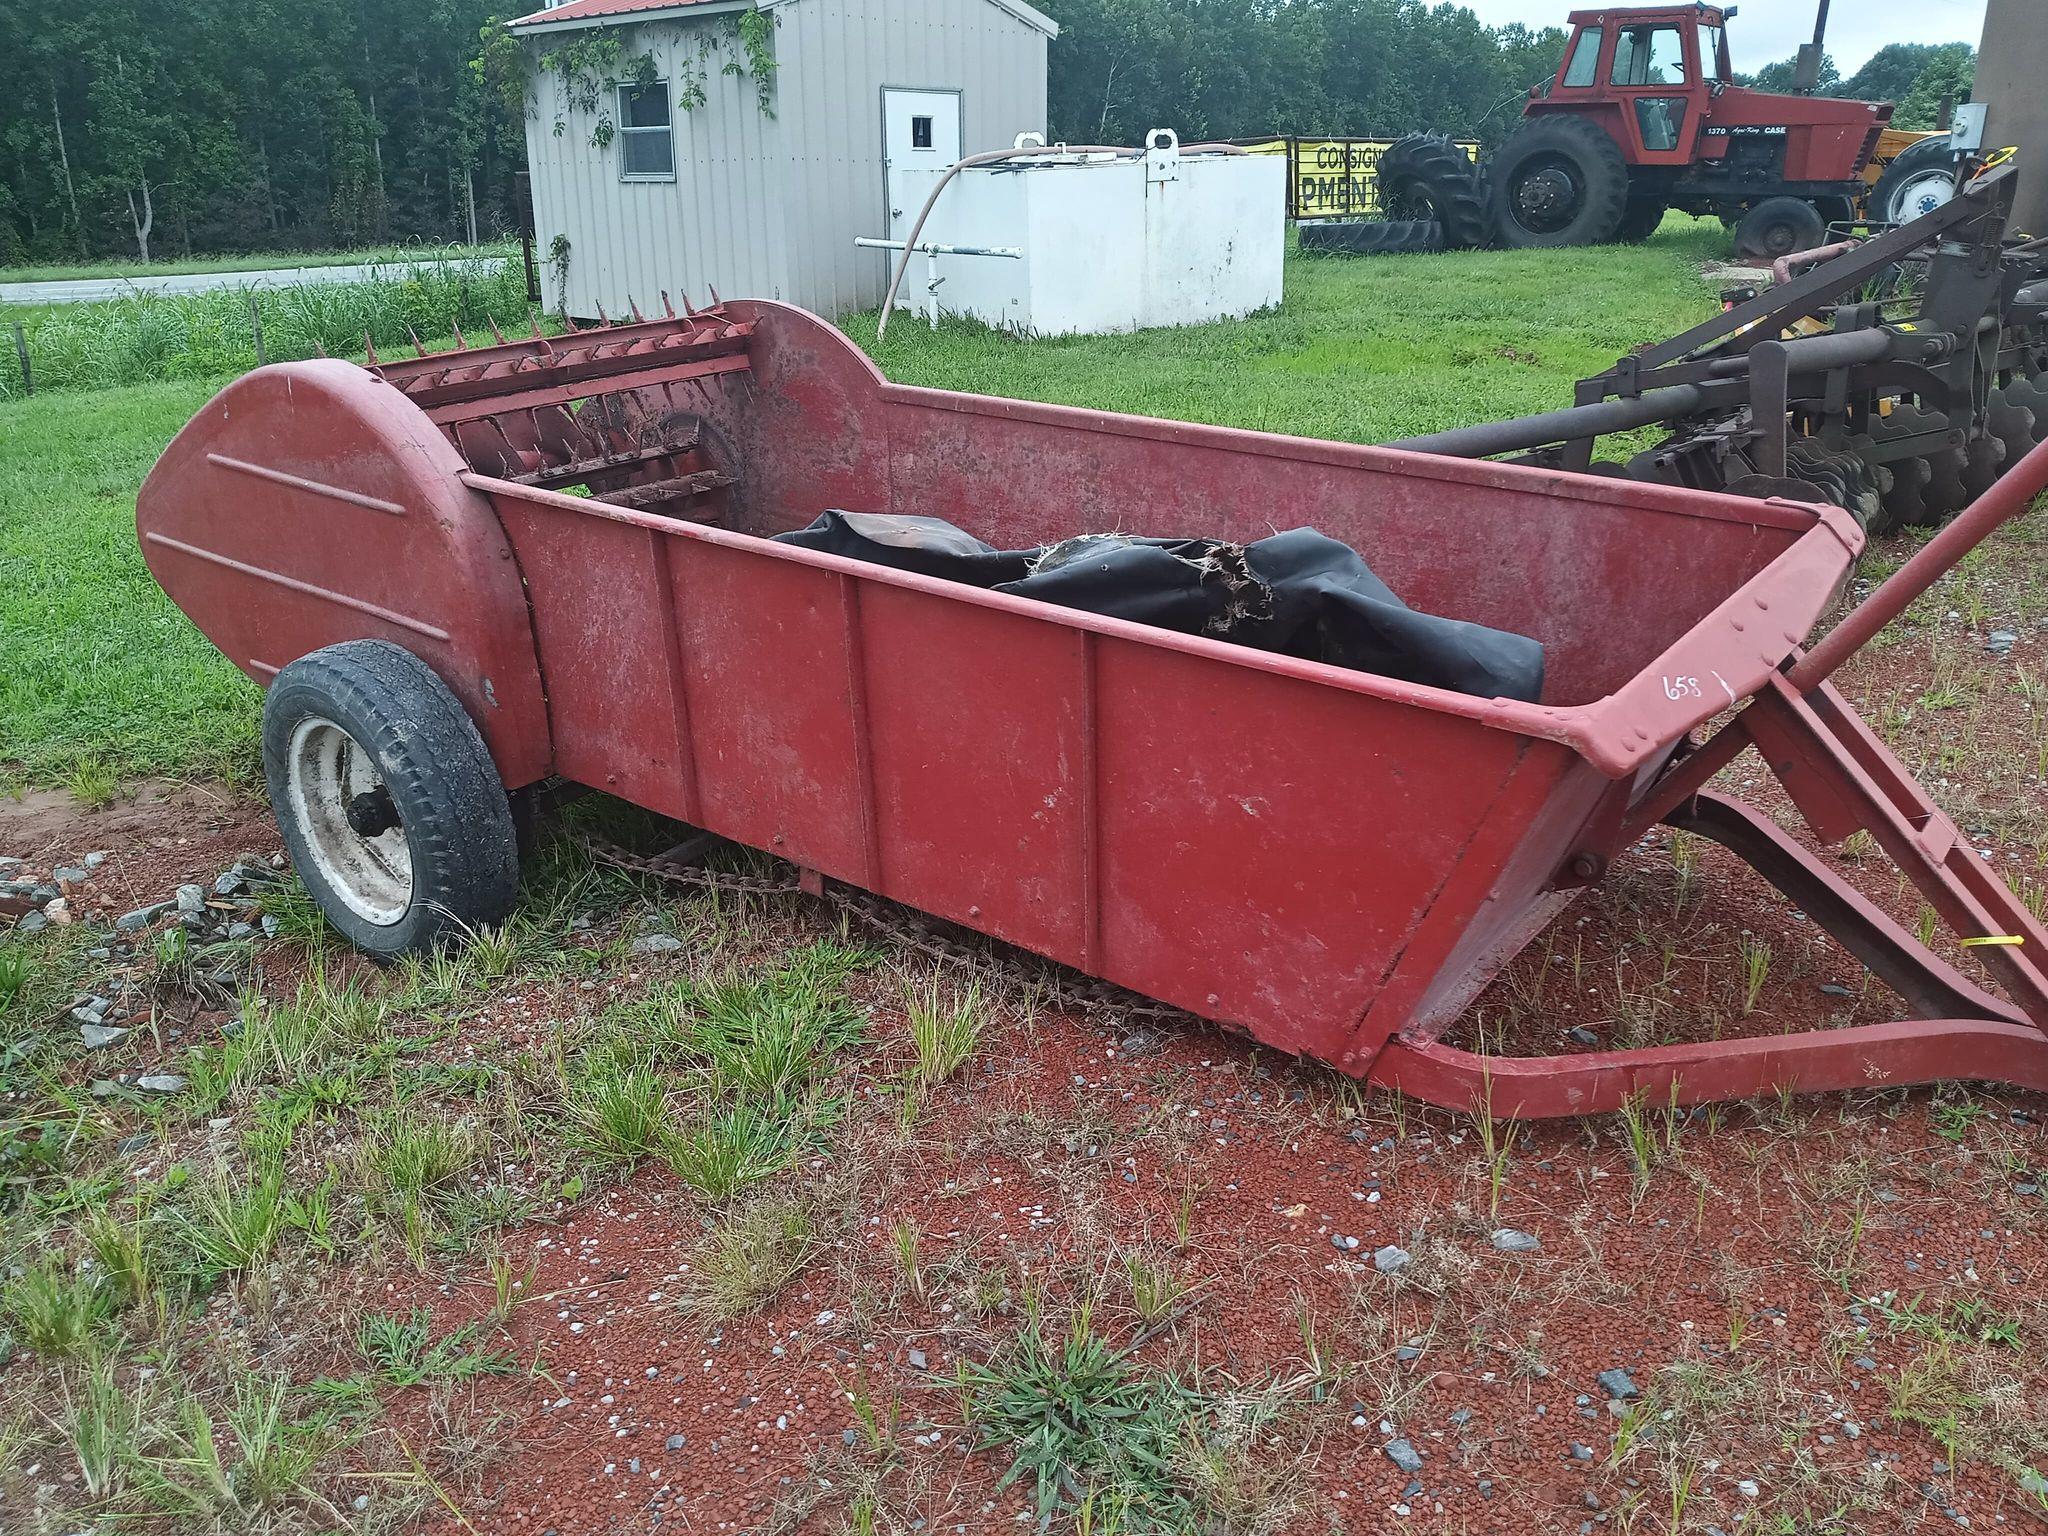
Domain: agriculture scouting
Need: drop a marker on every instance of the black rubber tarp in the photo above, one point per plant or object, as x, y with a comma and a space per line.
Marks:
1299, 593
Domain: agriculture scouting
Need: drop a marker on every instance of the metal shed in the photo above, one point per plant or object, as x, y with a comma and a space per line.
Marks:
661, 163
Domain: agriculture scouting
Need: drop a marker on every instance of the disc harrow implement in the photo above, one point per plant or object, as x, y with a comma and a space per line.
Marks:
1898, 379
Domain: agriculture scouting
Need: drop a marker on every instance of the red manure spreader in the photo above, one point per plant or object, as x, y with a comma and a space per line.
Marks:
462, 577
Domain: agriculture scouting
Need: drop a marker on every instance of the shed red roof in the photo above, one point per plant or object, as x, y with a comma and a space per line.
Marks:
582, 10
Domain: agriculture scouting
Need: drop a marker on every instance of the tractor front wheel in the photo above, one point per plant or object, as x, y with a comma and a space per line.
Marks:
1776, 227
1559, 181
389, 803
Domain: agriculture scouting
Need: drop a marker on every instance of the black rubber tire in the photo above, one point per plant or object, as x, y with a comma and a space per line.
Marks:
1641, 220
1912, 163
1593, 162
1424, 176
1776, 227
1373, 237
442, 783
1835, 210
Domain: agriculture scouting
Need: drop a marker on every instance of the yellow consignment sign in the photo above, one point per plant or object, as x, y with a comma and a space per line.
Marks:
1332, 178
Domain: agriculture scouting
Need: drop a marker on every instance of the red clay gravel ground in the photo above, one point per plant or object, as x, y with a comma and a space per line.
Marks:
1339, 1311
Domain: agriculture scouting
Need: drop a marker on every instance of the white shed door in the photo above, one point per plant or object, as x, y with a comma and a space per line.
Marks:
920, 130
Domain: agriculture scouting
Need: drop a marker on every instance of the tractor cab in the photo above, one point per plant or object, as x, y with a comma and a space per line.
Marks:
1659, 66
1658, 79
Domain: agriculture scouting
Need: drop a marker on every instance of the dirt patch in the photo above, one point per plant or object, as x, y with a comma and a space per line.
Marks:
158, 834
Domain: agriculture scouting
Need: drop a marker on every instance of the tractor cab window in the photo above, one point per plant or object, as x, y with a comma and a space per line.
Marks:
1585, 59
1660, 120
1648, 56
1710, 52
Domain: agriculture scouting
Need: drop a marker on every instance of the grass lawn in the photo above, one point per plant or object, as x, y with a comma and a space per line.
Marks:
251, 261
99, 674
1363, 350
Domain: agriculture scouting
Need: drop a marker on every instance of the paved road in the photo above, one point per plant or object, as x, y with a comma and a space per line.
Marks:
73, 291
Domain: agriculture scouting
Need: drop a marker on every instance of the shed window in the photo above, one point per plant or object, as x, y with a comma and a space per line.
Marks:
920, 133
647, 150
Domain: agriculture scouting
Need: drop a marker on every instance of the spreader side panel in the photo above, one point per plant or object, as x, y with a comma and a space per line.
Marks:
308, 504
1258, 847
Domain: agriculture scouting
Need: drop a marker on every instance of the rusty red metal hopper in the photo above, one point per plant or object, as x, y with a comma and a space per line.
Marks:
571, 533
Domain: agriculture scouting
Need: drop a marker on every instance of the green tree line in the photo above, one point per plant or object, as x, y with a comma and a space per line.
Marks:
153, 128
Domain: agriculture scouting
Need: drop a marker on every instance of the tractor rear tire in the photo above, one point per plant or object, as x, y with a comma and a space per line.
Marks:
1424, 176
389, 803
1373, 237
1641, 221
1778, 226
1918, 181
1559, 181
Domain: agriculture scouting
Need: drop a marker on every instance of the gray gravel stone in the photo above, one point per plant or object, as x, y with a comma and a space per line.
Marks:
31, 922
1618, 1383
97, 1036
677, 1442
1578, 1034
1509, 1240
1403, 1454
1391, 1260
160, 1082
228, 884
141, 917
68, 874
191, 898
2000, 641
95, 859
917, 1359
656, 944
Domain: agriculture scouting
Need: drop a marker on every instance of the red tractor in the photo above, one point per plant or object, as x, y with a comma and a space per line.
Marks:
1643, 116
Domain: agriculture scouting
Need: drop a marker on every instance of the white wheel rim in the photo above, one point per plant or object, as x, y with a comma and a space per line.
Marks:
325, 769
1923, 194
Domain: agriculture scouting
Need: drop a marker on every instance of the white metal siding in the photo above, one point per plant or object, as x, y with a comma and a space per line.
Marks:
718, 225
837, 56
769, 208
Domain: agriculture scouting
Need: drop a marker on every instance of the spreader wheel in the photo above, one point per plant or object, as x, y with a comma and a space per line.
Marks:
1559, 181
1424, 176
389, 804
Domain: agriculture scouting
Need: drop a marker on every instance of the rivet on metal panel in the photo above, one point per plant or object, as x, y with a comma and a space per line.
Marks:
1588, 866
